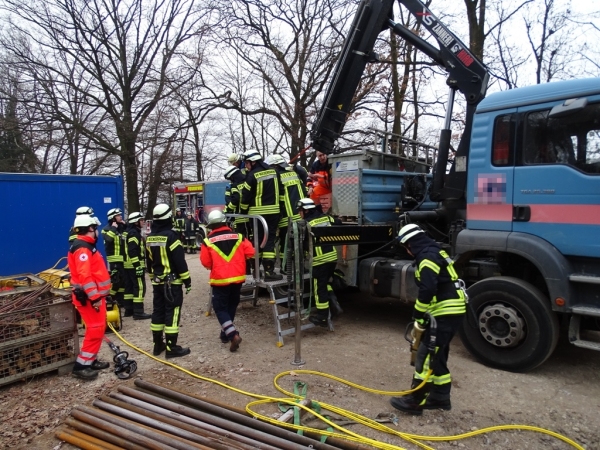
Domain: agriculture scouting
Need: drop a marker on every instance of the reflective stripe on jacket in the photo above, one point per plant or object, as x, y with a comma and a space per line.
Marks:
165, 256
87, 267
114, 244
293, 190
323, 253
439, 291
224, 253
261, 191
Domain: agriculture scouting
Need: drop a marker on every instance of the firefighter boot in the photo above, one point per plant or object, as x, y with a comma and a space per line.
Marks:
84, 372
270, 274
138, 312
320, 318
159, 344
174, 350
412, 403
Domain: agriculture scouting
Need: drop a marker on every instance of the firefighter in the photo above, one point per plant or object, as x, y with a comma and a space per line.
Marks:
80, 211
90, 282
236, 179
135, 287
237, 161
261, 196
114, 246
323, 263
165, 260
440, 295
225, 253
179, 224
190, 228
293, 191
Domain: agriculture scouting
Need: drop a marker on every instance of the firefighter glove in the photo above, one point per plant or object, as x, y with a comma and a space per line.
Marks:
139, 271
416, 329
188, 289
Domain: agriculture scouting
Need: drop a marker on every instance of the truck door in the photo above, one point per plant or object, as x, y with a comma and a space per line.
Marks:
557, 178
491, 167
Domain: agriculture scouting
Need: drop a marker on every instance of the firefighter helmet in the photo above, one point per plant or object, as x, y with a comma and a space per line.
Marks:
233, 158
229, 172
274, 159
84, 221
409, 231
112, 213
84, 210
252, 155
162, 211
215, 218
135, 217
305, 204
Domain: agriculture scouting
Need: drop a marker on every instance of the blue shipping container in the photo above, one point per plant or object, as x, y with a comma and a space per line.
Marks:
39, 211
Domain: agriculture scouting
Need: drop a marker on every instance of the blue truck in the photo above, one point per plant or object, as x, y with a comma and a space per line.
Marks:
39, 210
517, 205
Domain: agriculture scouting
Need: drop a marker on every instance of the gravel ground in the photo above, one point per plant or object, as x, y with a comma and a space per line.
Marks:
366, 348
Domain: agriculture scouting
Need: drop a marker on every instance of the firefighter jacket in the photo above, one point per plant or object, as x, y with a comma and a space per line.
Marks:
439, 291
179, 223
165, 257
293, 190
114, 243
261, 191
224, 253
87, 267
136, 251
322, 184
233, 205
321, 253
190, 227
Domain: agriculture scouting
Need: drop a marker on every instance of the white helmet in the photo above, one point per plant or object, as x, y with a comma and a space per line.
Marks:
84, 210
162, 211
112, 213
216, 217
408, 232
135, 217
84, 221
229, 172
233, 158
275, 159
252, 155
306, 203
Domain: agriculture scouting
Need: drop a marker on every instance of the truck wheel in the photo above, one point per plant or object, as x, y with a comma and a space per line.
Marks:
510, 325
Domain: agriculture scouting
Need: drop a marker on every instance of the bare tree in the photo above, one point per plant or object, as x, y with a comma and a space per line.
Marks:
289, 49
125, 53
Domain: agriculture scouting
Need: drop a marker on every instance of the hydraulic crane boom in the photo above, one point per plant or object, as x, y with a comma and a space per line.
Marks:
465, 74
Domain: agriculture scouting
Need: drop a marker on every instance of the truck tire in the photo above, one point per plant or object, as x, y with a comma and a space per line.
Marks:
510, 324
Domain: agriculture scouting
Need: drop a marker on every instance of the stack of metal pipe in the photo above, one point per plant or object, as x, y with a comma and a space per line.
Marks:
151, 416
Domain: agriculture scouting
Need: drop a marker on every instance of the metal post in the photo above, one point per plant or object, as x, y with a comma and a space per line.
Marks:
299, 229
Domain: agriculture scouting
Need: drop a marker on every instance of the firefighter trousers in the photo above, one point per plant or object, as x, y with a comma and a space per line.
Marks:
166, 312
225, 300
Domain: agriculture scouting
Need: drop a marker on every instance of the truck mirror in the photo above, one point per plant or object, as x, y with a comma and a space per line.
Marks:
569, 107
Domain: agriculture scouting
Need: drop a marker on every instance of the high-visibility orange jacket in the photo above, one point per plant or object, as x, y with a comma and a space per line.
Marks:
224, 253
87, 267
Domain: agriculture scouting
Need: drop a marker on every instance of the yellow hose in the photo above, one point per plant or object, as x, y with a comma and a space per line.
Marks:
343, 432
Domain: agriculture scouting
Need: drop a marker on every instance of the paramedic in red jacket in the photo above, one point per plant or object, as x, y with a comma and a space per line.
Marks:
91, 284
224, 253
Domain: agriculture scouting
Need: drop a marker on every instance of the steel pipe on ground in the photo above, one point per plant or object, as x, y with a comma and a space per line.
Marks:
97, 443
223, 423
101, 434
243, 419
129, 431
234, 439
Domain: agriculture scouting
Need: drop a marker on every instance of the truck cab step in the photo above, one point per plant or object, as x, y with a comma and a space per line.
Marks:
584, 278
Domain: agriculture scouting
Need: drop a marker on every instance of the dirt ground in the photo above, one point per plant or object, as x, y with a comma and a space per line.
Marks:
366, 348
